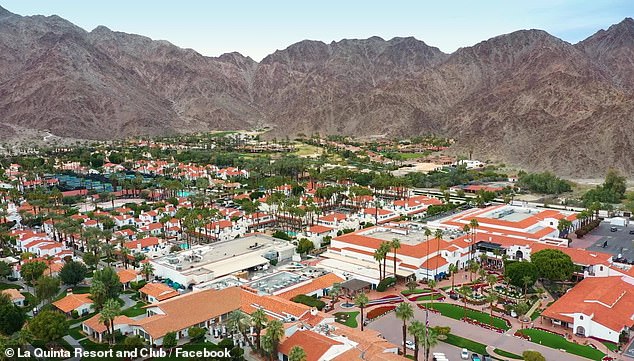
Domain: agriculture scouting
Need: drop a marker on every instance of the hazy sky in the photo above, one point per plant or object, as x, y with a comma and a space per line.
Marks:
258, 28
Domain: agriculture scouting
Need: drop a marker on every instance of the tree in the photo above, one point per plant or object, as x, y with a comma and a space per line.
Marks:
111, 309
533, 356
429, 341
239, 322
132, 342
31, 271
169, 340
11, 316
90, 259
73, 273
361, 301
304, 246
417, 330
275, 332
48, 325
5, 269
98, 294
396, 245
258, 319
553, 264
196, 334
519, 272
452, 271
147, 269
46, 287
404, 312
297, 354
110, 279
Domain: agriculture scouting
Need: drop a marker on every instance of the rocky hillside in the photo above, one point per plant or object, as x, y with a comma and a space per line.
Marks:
527, 97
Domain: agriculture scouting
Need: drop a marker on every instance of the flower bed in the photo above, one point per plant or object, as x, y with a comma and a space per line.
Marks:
550, 331
386, 300
483, 325
386, 297
521, 335
423, 307
379, 311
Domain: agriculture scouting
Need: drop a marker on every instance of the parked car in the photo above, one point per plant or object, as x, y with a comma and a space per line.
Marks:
475, 357
613, 229
454, 296
464, 354
486, 358
631, 231
410, 345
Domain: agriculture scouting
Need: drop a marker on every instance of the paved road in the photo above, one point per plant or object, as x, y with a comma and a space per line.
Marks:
390, 327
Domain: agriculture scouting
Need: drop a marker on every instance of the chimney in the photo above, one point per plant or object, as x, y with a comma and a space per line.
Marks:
313, 311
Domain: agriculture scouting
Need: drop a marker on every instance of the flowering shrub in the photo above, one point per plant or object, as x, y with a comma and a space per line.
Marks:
483, 325
521, 335
379, 311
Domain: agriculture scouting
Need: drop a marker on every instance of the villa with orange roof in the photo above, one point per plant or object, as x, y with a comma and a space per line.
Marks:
97, 330
414, 205
79, 302
16, 297
157, 292
596, 307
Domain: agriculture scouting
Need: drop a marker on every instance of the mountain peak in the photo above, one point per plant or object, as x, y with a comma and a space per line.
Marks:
5, 12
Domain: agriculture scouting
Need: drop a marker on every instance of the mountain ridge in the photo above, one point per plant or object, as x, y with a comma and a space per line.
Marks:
543, 103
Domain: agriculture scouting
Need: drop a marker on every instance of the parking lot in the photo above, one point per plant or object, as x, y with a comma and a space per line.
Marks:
619, 242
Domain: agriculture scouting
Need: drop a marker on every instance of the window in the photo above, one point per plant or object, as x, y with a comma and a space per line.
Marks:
600, 268
581, 317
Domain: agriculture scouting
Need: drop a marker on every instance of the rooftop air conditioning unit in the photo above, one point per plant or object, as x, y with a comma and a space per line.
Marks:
179, 268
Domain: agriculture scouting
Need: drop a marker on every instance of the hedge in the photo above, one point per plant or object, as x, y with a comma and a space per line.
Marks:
385, 283
309, 301
587, 228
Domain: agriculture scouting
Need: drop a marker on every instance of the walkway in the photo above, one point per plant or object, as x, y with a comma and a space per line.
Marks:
75, 344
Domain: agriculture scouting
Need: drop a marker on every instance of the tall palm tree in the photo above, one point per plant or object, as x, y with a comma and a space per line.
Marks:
396, 244
427, 235
465, 290
438, 236
430, 340
378, 256
239, 322
405, 313
417, 329
473, 223
297, 354
385, 249
258, 320
491, 298
147, 270
275, 332
452, 272
361, 301
111, 309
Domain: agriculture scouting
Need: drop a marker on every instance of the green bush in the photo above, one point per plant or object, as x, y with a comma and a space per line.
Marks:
74, 314
281, 235
196, 333
385, 283
309, 301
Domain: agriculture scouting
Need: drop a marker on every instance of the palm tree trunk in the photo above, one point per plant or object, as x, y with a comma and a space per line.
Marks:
362, 318
404, 338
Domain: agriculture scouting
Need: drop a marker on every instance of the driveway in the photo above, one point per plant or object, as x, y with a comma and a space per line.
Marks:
619, 242
390, 327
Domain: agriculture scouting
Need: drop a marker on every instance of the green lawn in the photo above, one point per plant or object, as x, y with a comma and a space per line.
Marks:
431, 297
5, 286
536, 314
414, 292
135, 310
610, 345
462, 342
558, 342
347, 318
508, 354
75, 332
457, 312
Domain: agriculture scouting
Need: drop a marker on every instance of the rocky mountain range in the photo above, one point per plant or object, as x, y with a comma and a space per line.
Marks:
526, 98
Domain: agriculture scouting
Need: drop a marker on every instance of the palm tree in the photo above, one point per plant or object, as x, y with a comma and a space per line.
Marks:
430, 340
473, 268
526, 280
147, 270
465, 290
432, 284
385, 249
427, 235
491, 298
274, 332
438, 236
258, 320
361, 301
297, 354
239, 322
491, 280
405, 313
111, 309
378, 256
417, 329
396, 244
474, 226
124, 252
452, 271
